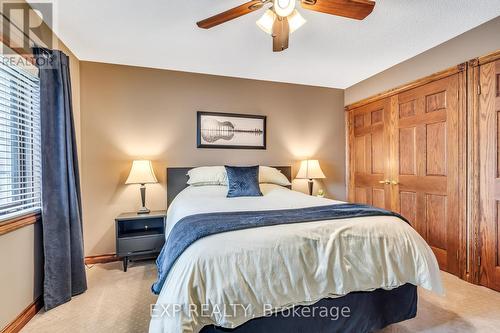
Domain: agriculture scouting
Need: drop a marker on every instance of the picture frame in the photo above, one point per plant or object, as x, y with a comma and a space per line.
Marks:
230, 130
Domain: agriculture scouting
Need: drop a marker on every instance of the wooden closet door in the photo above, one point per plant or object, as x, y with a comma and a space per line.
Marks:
426, 166
368, 146
489, 174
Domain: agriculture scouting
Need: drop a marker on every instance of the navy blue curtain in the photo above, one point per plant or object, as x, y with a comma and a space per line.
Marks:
64, 269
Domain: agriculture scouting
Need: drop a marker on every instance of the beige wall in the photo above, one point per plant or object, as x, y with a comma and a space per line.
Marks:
131, 112
21, 257
482, 40
21, 272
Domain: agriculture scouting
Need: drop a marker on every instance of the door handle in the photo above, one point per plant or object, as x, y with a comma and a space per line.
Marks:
388, 182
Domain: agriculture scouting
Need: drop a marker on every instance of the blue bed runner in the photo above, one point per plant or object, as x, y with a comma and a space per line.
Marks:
194, 227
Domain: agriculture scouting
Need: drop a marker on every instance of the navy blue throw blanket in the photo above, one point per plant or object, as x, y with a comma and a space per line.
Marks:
194, 227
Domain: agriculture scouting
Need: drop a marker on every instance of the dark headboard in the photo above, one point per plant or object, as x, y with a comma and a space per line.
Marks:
177, 179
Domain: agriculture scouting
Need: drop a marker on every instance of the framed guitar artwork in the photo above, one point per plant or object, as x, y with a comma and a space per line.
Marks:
230, 130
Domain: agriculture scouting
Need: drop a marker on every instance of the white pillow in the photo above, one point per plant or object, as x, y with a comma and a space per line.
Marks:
212, 175
216, 175
272, 176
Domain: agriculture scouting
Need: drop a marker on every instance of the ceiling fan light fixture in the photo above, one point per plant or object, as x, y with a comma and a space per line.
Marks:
266, 21
283, 8
295, 20
282, 18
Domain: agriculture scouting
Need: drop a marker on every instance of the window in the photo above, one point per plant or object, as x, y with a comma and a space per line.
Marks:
20, 158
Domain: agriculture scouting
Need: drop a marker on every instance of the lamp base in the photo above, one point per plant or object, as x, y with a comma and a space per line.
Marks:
143, 210
310, 184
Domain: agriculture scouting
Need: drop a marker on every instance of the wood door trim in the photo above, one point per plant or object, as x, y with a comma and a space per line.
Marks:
408, 86
463, 173
24, 317
350, 176
473, 171
493, 56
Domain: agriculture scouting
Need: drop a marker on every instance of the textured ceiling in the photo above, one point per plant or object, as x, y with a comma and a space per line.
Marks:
327, 51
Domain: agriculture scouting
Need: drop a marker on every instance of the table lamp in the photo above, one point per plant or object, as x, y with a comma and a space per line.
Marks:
142, 173
310, 169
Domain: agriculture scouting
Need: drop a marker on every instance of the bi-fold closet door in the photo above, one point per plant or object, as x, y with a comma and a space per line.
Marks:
431, 151
405, 154
368, 137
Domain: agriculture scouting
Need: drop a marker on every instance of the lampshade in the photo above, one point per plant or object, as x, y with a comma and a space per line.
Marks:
141, 173
295, 21
310, 169
266, 21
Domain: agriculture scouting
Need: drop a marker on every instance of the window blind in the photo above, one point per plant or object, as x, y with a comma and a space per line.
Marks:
20, 158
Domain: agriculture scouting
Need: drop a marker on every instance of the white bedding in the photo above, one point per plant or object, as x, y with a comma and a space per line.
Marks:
284, 265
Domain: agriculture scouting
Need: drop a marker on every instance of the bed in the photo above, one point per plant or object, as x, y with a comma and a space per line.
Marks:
289, 277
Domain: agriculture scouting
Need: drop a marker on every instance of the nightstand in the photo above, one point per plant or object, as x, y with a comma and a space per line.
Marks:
139, 235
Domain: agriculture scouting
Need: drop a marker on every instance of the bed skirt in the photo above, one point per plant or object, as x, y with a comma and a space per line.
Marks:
368, 311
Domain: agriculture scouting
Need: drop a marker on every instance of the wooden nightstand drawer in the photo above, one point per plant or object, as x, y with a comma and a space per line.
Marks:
127, 246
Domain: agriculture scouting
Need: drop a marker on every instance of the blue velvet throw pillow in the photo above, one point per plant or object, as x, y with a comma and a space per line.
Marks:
243, 181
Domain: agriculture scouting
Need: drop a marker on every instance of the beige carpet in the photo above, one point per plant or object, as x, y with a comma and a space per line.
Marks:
119, 302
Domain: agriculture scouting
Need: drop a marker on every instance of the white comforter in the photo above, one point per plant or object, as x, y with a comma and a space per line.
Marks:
284, 265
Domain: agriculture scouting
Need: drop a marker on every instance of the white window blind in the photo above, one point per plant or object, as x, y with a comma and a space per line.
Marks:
20, 158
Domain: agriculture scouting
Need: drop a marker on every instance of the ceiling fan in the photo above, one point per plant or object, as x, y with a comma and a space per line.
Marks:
282, 18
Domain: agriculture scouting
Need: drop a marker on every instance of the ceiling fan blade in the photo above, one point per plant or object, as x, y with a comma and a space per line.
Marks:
230, 14
355, 9
281, 32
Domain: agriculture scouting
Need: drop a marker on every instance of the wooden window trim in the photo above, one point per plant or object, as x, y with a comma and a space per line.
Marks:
19, 222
